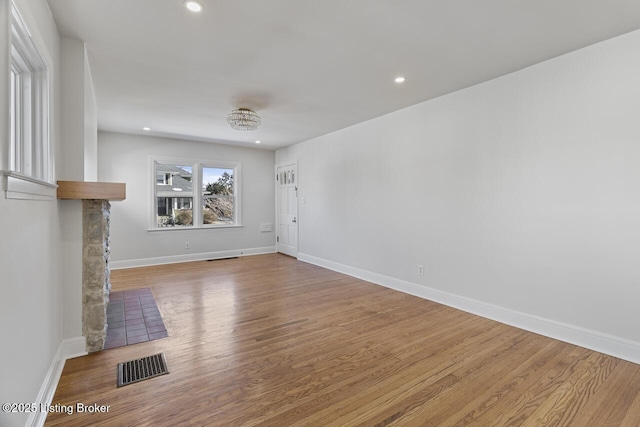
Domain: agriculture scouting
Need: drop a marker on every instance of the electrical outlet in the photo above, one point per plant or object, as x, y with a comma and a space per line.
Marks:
187, 245
421, 270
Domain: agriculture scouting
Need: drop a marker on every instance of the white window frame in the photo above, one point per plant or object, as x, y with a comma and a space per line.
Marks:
237, 209
196, 177
29, 168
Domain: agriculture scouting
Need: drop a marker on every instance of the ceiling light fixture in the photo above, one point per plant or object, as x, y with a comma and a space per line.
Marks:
400, 79
147, 129
243, 119
258, 142
193, 6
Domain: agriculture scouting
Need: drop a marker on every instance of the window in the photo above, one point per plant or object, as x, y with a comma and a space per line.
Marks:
195, 194
29, 145
174, 195
218, 198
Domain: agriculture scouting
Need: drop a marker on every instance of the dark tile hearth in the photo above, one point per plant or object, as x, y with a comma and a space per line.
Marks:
133, 317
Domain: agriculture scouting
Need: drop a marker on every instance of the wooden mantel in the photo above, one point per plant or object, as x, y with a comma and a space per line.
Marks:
80, 190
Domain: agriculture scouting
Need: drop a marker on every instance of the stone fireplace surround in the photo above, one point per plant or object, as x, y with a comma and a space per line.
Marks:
96, 283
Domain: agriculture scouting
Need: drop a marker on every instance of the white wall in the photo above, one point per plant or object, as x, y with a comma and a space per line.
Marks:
79, 163
90, 124
71, 165
522, 192
79, 114
30, 301
71, 259
71, 168
125, 158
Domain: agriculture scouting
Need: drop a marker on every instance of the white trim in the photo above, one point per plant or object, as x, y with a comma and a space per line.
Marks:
588, 338
173, 259
287, 163
237, 190
18, 186
69, 348
293, 162
31, 60
189, 227
74, 347
196, 178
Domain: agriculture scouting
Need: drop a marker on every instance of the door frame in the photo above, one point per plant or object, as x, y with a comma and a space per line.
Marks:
275, 175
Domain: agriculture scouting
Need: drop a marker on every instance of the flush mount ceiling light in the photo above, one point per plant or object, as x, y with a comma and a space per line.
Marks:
193, 6
258, 142
243, 119
146, 128
399, 79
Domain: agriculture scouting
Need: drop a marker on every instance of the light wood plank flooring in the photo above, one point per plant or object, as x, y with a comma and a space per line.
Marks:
270, 341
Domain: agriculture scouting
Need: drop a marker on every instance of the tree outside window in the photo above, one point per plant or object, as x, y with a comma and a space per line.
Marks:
218, 196
176, 202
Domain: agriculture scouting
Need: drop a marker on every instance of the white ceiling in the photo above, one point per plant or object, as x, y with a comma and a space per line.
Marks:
310, 67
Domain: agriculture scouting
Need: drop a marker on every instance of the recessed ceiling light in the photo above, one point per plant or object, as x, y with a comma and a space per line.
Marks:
147, 129
193, 6
400, 79
258, 142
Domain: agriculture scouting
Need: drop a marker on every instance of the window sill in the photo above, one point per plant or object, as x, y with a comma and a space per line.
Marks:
22, 187
210, 227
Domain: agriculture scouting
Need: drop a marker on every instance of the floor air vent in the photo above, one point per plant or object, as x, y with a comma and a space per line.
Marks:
142, 369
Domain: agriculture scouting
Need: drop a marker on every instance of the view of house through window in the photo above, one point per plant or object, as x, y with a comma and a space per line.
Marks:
174, 195
177, 205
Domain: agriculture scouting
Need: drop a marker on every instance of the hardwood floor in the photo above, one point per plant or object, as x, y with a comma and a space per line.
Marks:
270, 341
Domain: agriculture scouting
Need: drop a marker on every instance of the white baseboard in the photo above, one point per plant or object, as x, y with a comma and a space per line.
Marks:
173, 259
587, 338
74, 347
68, 349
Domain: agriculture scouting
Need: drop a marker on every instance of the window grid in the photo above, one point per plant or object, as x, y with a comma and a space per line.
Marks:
29, 147
168, 203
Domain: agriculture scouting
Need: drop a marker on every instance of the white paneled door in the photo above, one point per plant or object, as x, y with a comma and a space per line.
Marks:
287, 183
